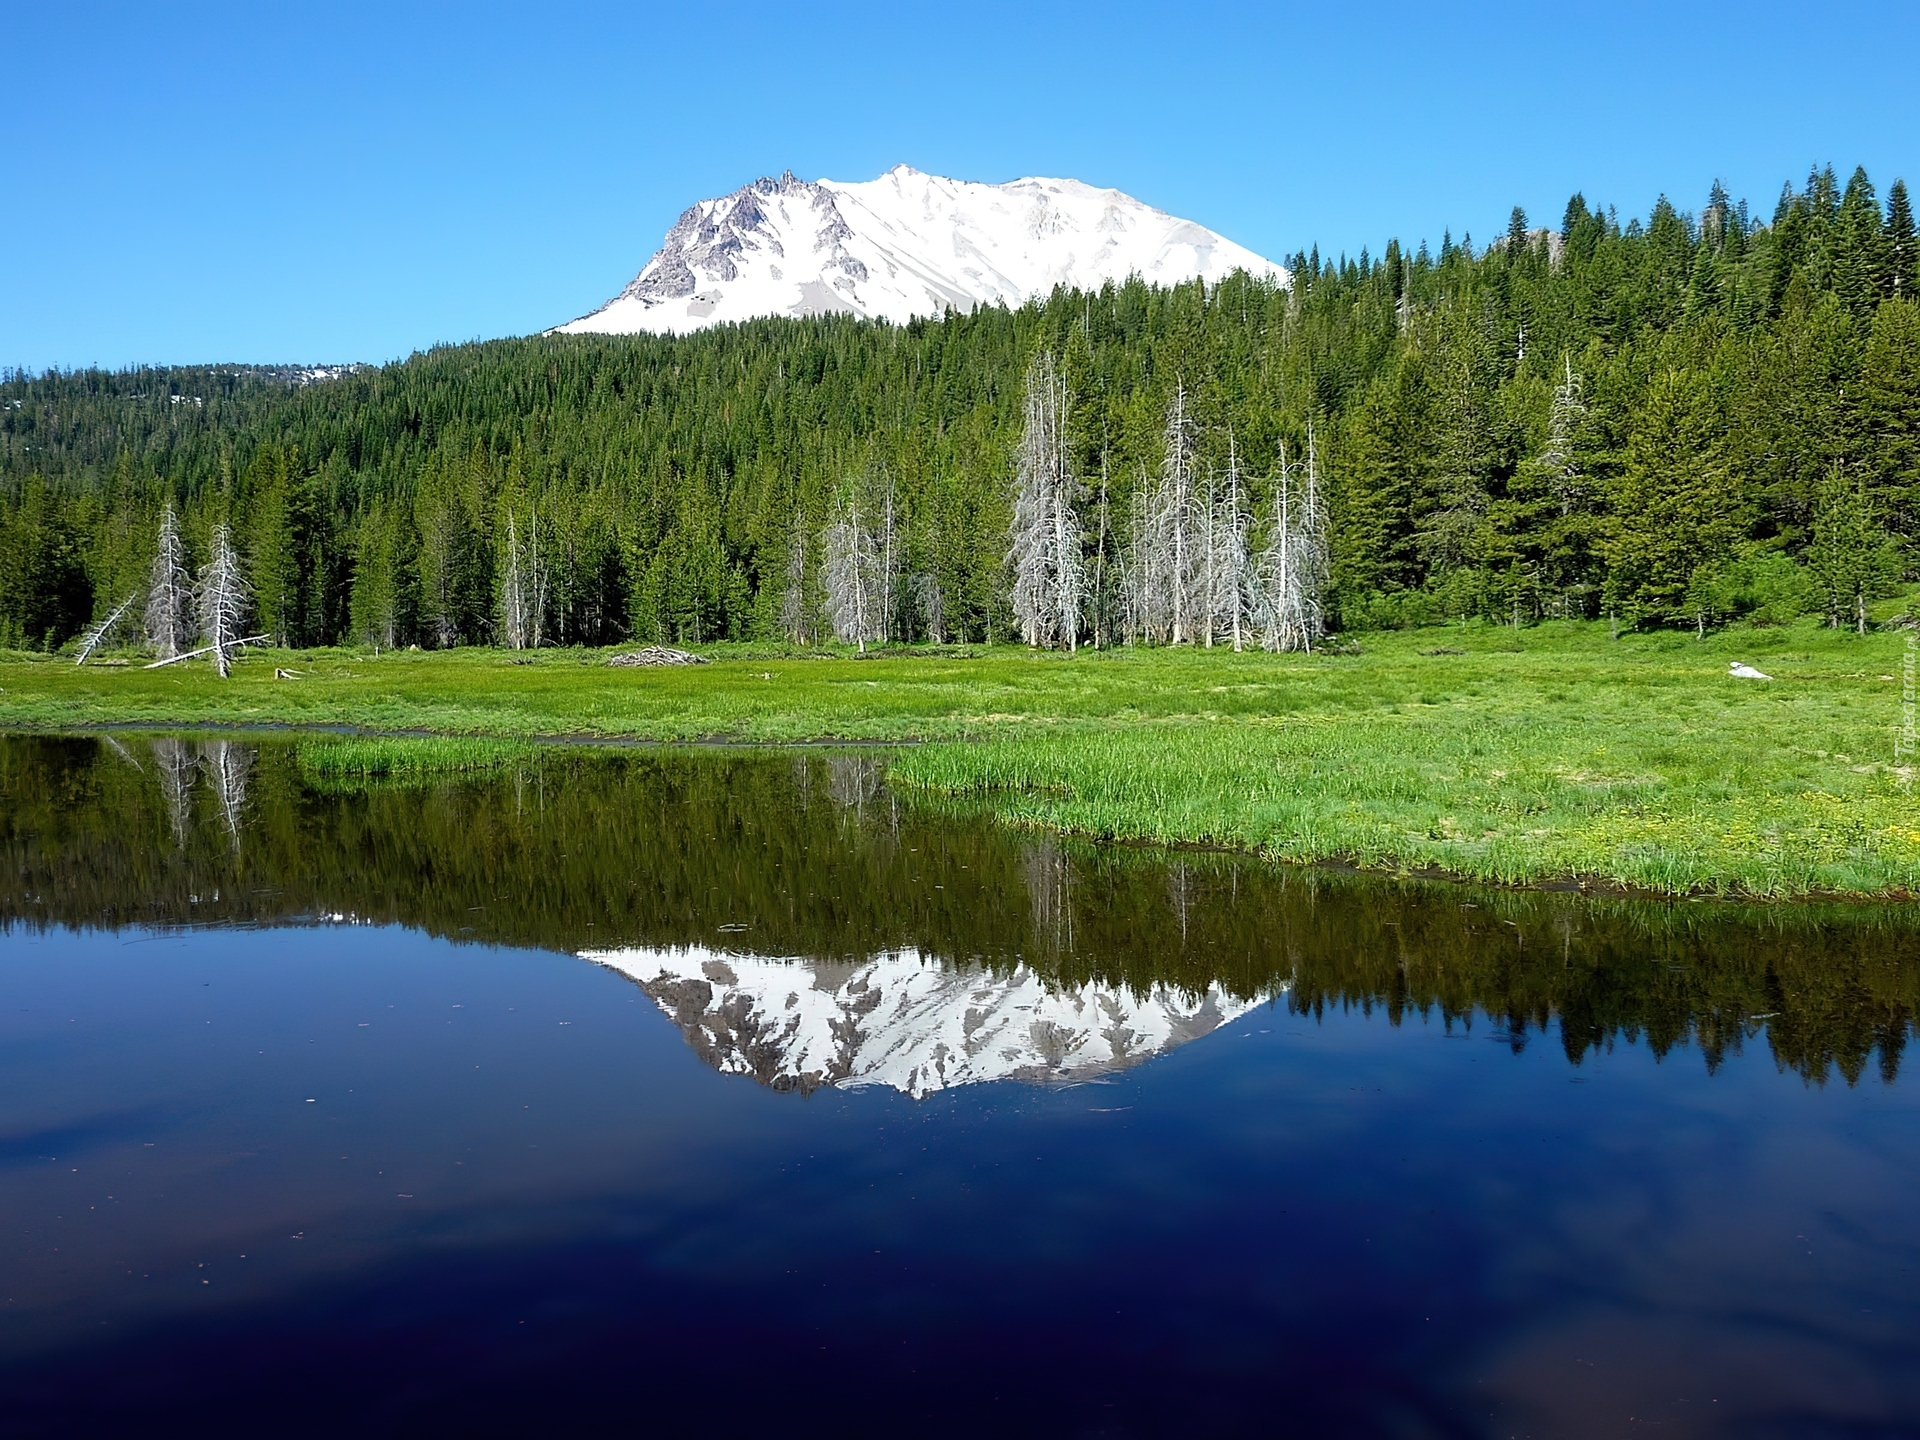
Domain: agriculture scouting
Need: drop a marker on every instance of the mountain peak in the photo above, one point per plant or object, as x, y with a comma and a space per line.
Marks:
904, 245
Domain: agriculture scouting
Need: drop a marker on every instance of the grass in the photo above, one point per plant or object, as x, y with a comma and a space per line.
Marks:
350, 758
1511, 756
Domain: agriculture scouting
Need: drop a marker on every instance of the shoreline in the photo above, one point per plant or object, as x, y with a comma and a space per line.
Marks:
1597, 887
1552, 758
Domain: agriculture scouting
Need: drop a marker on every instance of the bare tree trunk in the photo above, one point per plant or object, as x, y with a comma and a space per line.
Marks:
1100, 618
793, 603
1045, 540
1237, 554
850, 574
1296, 563
227, 765
169, 590
933, 605
1176, 507
513, 596
539, 596
223, 601
92, 639
175, 767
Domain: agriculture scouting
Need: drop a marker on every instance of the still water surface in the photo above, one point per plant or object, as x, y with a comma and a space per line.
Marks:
652, 1092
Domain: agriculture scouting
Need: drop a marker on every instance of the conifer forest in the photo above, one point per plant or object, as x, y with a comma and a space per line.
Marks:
1699, 418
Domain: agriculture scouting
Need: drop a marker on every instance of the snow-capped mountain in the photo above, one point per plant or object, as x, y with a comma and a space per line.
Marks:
908, 1021
906, 244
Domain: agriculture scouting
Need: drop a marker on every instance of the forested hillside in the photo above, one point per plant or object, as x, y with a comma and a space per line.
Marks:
1682, 421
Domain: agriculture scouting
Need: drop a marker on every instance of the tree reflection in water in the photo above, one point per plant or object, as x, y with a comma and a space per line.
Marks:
810, 856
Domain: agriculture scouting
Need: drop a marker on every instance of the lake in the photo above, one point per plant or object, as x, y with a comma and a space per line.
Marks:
646, 1091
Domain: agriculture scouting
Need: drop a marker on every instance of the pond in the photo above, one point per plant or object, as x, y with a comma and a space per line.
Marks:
652, 1090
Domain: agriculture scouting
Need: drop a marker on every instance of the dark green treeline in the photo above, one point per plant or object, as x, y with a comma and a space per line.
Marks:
1683, 421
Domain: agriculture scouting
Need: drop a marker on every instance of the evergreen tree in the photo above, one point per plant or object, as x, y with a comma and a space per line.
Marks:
1852, 557
44, 595
1675, 507
1903, 253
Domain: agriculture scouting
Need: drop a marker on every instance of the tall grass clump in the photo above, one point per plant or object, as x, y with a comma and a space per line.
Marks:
428, 755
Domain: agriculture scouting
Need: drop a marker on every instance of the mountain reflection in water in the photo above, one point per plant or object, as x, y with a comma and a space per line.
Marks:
645, 1090
736, 856
909, 1022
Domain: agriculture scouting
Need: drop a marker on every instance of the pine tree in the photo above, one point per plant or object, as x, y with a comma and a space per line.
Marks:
1889, 414
1860, 262
44, 595
1671, 510
1852, 557
274, 545
1903, 253
373, 606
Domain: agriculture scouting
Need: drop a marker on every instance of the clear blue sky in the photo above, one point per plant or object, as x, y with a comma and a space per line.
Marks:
266, 182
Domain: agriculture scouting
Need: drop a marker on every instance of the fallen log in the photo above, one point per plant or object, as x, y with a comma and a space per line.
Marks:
203, 650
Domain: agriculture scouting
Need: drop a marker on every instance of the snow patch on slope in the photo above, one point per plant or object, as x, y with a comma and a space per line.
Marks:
907, 1021
904, 245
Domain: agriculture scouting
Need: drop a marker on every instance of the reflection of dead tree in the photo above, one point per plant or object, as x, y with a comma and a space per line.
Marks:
175, 764
852, 780
1049, 877
1179, 887
227, 765
122, 751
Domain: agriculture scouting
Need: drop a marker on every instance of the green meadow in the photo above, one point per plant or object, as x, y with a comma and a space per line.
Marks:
1542, 755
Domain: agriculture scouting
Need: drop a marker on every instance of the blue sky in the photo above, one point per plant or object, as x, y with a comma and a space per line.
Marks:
313, 183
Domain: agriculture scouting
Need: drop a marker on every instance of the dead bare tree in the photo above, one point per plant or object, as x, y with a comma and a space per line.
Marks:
1171, 580
853, 781
889, 558
169, 591
1102, 620
933, 605
523, 586
1294, 570
793, 601
1569, 409
852, 572
222, 601
1045, 530
1230, 587
97, 634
